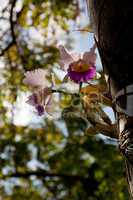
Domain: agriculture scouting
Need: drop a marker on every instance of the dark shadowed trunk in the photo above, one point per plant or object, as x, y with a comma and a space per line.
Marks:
113, 27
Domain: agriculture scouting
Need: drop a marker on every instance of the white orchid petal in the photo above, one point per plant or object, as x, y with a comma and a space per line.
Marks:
30, 102
39, 97
34, 99
36, 78
90, 58
76, 56
49, 105
65, 57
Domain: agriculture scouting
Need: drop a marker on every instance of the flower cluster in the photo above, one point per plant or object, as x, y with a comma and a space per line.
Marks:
42, 97
79, 68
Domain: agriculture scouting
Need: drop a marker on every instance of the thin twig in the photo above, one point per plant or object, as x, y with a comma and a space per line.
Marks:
63, 92
11, 28
11, 21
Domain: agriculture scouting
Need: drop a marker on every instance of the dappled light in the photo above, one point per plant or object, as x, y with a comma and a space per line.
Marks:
58, 137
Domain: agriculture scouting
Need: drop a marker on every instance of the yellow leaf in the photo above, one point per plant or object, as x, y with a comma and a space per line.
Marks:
49, 137
93, 89
90, 99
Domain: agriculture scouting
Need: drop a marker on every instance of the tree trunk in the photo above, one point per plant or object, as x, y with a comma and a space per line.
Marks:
113, 28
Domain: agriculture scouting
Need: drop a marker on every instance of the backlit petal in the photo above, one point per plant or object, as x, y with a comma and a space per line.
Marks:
76, 56
65, 57
36, 78
39, 97
90, 58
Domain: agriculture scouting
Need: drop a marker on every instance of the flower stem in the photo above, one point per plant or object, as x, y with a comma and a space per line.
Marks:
63, 92
80, 86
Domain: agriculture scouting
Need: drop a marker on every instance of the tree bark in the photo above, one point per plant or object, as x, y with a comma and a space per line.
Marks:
113, 27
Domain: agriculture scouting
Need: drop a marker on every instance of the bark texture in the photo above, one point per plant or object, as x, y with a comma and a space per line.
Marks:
113, 28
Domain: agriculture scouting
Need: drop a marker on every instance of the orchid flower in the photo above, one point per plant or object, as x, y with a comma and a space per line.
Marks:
42, 97
80, 67
36, 78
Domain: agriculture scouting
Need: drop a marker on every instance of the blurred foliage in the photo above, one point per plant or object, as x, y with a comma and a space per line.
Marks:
55, 159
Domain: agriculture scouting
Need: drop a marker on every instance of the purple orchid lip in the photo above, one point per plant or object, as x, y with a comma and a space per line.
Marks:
40, 109
79, 77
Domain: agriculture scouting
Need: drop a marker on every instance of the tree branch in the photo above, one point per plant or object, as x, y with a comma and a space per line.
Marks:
116, 52
11, 28
44, 174
11, 21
